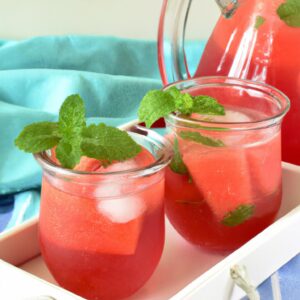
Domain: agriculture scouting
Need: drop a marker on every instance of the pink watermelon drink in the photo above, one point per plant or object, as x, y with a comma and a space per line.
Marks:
102, 227
231, 187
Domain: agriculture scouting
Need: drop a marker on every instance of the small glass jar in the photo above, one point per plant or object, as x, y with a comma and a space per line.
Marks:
102, 234
228, 188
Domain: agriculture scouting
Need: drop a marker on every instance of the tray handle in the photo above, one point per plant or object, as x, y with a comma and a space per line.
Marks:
240, 277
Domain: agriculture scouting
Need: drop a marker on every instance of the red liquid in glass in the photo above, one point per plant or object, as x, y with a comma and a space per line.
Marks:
247, 171
90, 250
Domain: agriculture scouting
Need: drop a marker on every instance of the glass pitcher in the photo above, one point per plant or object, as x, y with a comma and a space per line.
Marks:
253, 39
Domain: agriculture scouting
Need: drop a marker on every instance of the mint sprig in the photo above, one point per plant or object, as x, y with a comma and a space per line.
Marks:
177, 165
289, 12
201, 139
157, 104
73, 139
108, 143
239, 215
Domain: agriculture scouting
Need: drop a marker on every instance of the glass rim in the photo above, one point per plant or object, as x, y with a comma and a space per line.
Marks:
154, 138
210, 81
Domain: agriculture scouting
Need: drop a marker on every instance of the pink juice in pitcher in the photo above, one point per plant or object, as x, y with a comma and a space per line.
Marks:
231, 189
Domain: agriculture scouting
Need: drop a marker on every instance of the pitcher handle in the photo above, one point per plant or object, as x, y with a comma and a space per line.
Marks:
171, 56
171, 33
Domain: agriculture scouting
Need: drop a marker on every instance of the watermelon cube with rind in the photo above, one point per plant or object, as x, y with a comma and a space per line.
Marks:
222, 176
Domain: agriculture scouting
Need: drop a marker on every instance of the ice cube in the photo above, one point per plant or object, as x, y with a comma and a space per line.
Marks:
233, 116
229, 138
122, 210
229, 117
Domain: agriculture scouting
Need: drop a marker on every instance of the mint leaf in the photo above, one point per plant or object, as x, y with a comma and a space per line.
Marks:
177, 165
173, 91
155, 105
38, 137
259, 21
185, 104
201, 139
68, 152
71, 122
239, 215
108, 143
72, 117
289, 13
207, 105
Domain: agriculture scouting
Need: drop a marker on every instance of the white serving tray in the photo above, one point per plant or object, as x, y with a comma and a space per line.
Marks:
184, 272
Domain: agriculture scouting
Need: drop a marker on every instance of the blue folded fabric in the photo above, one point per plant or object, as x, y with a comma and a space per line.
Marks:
111, 74
36, 75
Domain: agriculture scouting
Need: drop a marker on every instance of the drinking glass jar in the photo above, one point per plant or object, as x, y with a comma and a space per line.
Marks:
224, 184
102, 233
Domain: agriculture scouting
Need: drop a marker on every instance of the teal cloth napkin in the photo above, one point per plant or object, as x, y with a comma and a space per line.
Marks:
36, 75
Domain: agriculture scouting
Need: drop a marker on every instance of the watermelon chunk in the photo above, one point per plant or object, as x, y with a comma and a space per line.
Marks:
264, 160
85, 164
222, 176
88, 164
